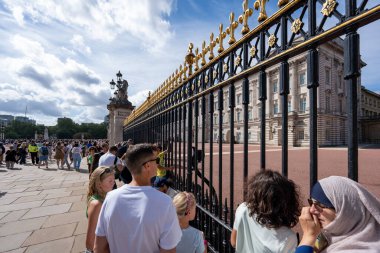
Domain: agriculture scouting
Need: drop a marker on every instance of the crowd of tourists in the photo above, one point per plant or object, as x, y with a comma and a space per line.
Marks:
146, 214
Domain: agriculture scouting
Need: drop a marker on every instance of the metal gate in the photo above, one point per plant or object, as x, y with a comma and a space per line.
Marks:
193, 108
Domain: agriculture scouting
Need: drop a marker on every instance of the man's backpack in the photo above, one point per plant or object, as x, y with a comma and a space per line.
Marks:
44, 151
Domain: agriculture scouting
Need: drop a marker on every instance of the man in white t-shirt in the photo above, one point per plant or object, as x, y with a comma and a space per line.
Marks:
110, 159
136, 217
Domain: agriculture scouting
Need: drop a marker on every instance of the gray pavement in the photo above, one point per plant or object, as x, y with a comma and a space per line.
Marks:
42, 210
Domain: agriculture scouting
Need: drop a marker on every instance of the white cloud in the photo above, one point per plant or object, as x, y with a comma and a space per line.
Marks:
103, 20
78, 44
49, 85
139, 97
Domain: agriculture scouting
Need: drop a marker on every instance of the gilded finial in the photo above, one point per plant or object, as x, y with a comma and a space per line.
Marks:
189, 59
243, 18
282, 3
204, 52
261, 4
184, 71
219, 39
211, 47
197, 57
231, 29
176, 78
180, 74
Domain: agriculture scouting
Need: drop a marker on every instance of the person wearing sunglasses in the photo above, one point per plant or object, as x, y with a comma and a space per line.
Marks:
136, 217
342, 216
101, 182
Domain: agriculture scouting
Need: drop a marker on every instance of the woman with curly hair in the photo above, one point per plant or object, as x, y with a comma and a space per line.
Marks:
101, 182
263, 222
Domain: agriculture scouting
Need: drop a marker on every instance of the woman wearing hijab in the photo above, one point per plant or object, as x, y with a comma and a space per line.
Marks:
343, 217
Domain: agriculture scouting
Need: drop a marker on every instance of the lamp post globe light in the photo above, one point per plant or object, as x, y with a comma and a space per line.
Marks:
119, 109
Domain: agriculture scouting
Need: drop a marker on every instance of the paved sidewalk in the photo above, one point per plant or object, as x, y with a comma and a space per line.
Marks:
42, 210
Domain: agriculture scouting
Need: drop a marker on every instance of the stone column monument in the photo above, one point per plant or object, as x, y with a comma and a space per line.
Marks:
119, 108
46, 134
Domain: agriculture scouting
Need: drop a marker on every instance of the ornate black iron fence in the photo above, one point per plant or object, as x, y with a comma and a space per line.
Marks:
202, 109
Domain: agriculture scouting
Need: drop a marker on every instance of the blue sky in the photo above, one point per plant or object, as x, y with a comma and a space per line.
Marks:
58, 57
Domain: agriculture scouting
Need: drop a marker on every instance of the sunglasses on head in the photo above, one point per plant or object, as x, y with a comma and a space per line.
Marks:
317, 204
157, 159
107, 170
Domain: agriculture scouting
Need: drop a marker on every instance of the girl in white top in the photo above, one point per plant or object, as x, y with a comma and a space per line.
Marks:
263, 223
192, 240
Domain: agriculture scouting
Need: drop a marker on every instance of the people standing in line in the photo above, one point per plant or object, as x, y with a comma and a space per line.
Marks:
90, 159
342, 217
22, 151
110, 159
95, 162
66, 152
70, 146
2, 152
162, 170
125, 174
43, 154
10, 158
76, 151
263, 222
59, 155
33, 150
101, 182
147, 228
192, 240
50, 148
164, 186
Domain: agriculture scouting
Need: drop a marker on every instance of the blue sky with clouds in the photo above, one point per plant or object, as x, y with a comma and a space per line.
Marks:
58, 57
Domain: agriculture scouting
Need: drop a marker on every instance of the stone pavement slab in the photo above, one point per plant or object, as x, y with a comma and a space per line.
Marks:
15, 227
13, 216
78, 243
29, 198
12, 242
42, 210
58, 246
20, 206
65, 218
19, 250
50, 234
47, 210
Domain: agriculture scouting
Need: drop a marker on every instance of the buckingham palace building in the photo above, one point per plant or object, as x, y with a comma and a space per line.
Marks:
332, 97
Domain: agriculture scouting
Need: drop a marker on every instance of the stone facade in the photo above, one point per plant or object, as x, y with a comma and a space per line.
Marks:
119, 109
331, 103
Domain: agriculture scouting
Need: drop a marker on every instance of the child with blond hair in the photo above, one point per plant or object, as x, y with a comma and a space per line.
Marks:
192, 240
101, 182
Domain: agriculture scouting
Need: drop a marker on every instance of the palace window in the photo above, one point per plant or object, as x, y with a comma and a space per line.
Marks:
301, 135
340, 105
250, 115
327, 76
275, 107
275, 86
302, 79
289, 105
327, 103
328, 137
238, 99
238, 115
302, 104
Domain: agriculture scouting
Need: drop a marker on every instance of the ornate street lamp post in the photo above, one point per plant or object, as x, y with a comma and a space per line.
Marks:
119, 108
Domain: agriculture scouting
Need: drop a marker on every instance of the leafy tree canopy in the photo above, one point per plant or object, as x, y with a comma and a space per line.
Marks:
65, 128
